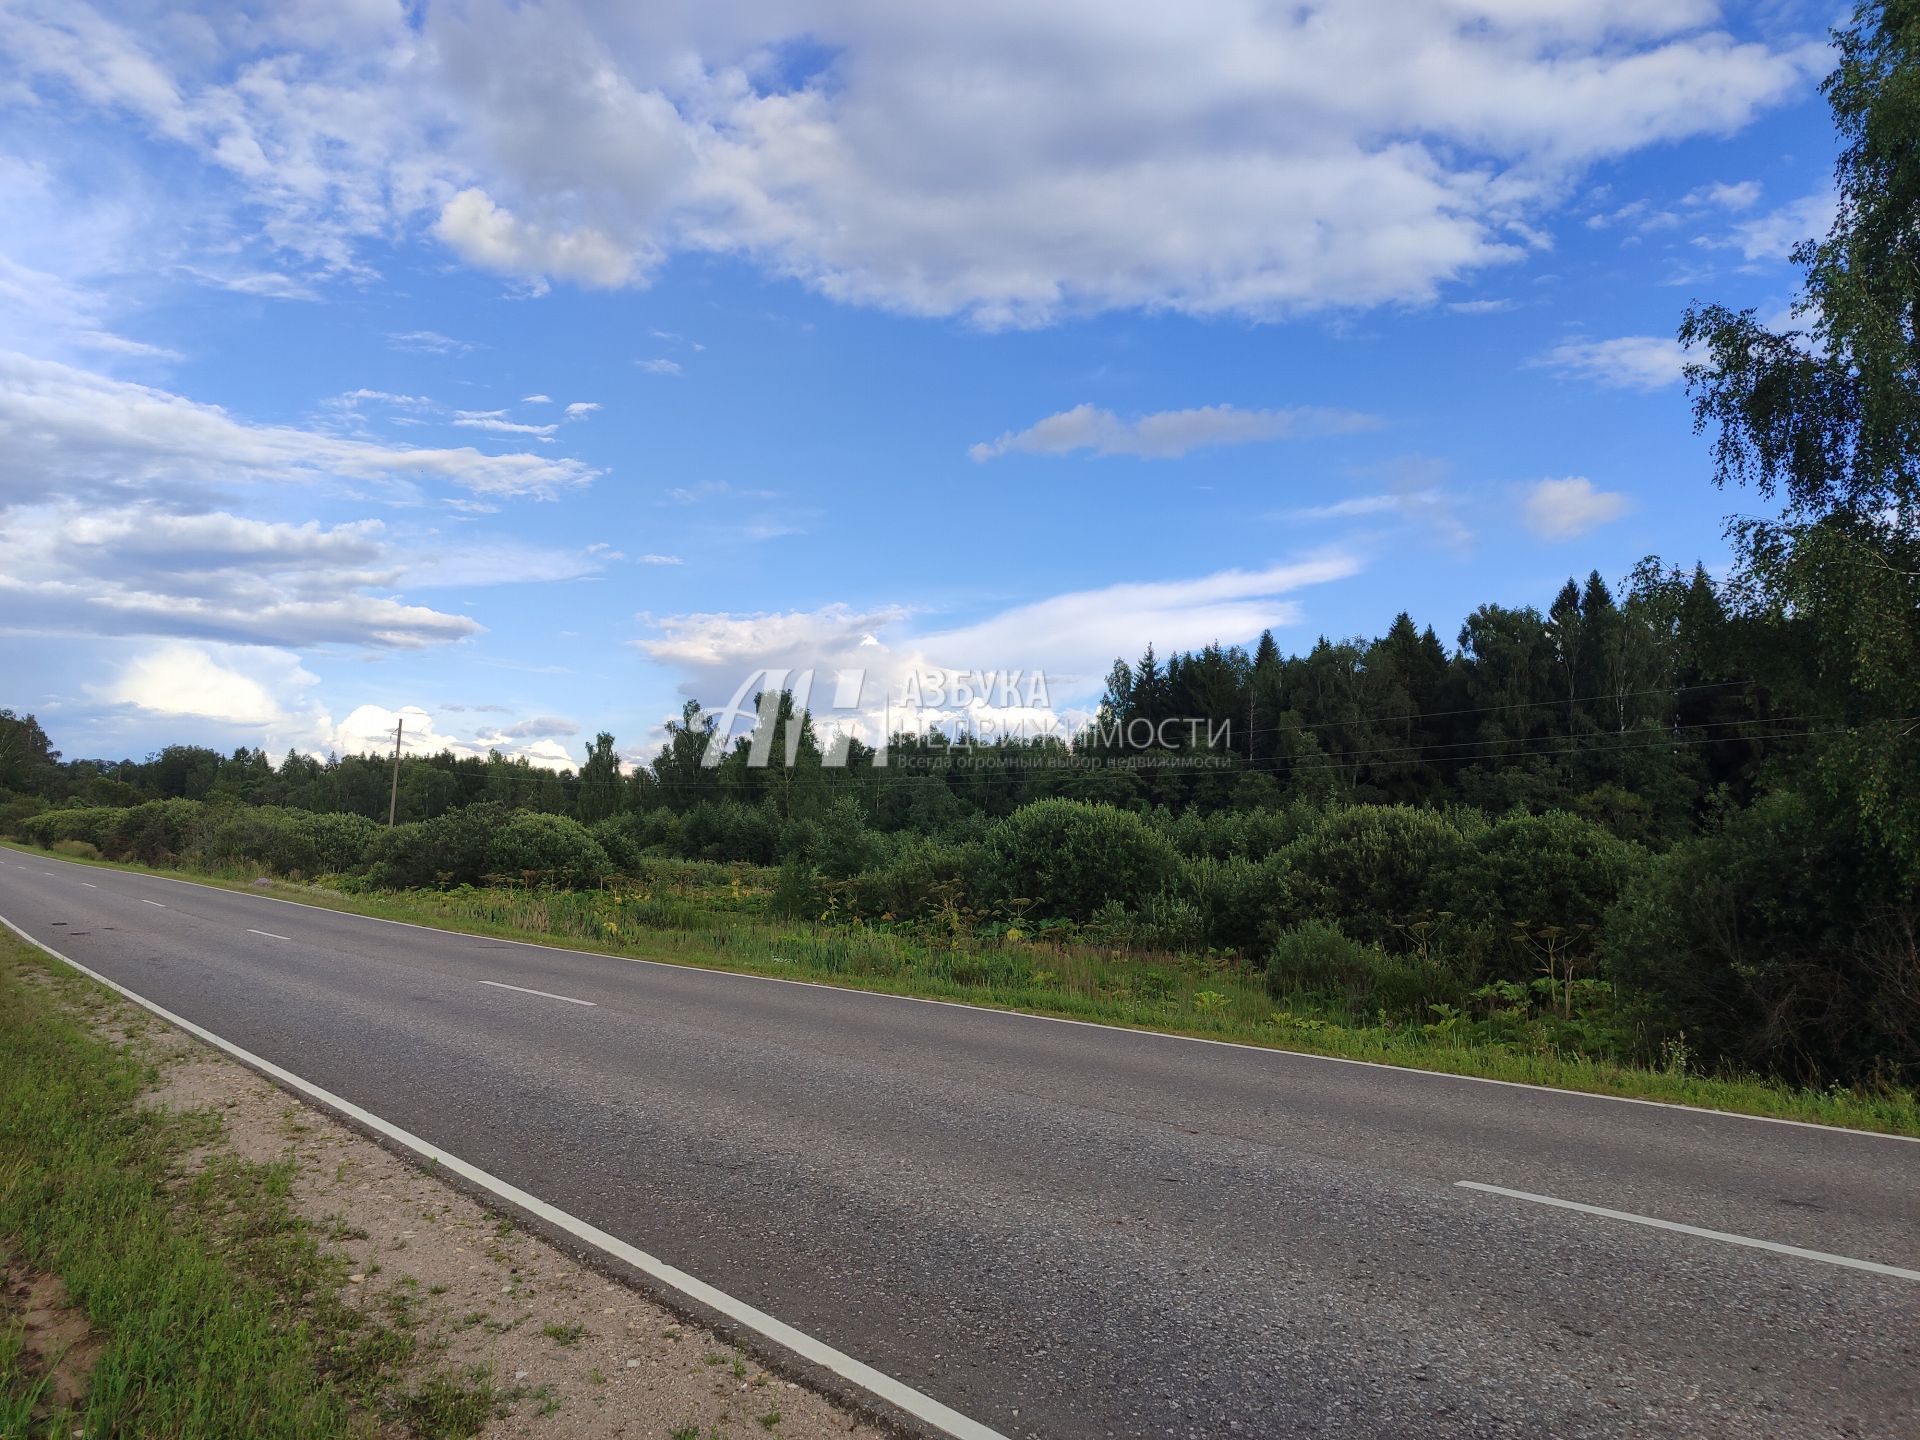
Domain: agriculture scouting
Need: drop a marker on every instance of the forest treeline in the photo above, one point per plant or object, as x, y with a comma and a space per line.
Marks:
1680, 819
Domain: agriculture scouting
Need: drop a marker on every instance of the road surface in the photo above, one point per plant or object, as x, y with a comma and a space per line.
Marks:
1067, 1230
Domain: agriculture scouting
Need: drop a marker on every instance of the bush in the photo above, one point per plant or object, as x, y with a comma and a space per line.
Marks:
731, 831
1775, 941
75, 850
155, 833
1316, 957
450, 849
1537, 879
920, 878
91, 826
1240, 899
547, 850
1368, 868
1317, 960
1070, 858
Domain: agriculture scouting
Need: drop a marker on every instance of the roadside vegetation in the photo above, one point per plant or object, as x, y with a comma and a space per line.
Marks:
1329, 996
192, 1300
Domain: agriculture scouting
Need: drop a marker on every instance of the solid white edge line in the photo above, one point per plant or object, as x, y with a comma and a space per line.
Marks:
543, 994
1723, 1236
268, 933
1270, 1050
894, 1392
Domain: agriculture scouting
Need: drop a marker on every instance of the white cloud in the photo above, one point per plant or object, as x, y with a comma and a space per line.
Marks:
483, 234
537, 400
661, 560
1772, 236
659, 366
580, 409
231, 685
1629, 362
142, 570
368, 729
1005, 163
496, 421
1071, 638
1562, 509
430, 342
1725, 195
106, 437
1167, 434
1481, 307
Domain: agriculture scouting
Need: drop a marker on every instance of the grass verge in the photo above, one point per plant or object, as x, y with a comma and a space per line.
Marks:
1206, 997
213, 1309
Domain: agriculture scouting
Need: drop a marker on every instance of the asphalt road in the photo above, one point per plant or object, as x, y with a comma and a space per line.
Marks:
1066, 1230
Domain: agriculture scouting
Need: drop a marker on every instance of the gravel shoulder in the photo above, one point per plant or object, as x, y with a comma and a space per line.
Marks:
572, 1353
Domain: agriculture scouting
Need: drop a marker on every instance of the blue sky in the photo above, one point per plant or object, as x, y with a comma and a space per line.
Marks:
526, 369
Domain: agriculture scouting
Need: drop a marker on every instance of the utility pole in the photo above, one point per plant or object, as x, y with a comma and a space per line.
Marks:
393, 798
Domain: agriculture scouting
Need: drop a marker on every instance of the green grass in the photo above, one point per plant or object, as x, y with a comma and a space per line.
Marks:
683, 916
217, 1311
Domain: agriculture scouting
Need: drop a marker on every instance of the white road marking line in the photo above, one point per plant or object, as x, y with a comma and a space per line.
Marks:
89, 884
268, 933
1873, 1266
1273, 1051
817, 1352
155, 903
544, 994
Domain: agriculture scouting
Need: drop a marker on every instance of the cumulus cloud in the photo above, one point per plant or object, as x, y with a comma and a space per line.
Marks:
113, 438
1772, 236
580, 409
220, 683
483, 234
1628, 362
1562, 509
1007, 164
1166, 434
369, 728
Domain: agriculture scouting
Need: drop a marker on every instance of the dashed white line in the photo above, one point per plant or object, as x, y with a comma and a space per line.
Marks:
89, 884
155, 903
544, 994
876, 1382
1873, 1266
268, 933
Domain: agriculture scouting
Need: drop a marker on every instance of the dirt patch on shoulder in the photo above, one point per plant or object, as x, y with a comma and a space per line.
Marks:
571, 1353
57, 1345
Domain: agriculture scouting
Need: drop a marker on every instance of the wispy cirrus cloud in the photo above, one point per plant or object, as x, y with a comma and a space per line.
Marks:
1626, 362
108, 437
1167, 434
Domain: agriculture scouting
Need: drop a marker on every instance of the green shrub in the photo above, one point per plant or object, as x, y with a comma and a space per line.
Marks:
1776, 941
919, 878
155, 833
1367, 868
76, 850
93, 826
547, 850
1316, 957
450, 849
1316, 960
1070, 858
1536, 882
